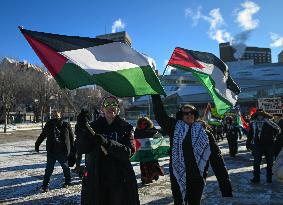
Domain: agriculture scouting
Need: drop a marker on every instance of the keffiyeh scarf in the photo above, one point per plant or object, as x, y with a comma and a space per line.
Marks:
201, 150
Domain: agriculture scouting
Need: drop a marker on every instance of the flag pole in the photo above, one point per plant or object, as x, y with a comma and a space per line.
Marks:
87, 123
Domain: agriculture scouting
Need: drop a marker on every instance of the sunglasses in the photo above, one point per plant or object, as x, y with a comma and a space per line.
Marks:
188, 113
110, 104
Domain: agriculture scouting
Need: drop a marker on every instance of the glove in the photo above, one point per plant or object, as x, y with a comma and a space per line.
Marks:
101, 140
36, 148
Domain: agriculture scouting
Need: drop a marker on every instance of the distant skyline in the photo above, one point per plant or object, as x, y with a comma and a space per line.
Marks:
155, 27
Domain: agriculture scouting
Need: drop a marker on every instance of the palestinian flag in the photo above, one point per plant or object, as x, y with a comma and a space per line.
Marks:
252, 110
212, 72
241, 121
78, 61
151, 148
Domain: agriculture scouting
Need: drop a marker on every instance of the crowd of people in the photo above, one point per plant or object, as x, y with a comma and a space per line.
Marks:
108, 143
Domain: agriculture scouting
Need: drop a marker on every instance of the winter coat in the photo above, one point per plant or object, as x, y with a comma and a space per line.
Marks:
278, 167
115, 167
231, 129
63, 143
278, 144
194, 179
267, 136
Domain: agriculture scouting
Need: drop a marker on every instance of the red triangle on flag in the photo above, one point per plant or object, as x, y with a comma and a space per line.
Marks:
137, 144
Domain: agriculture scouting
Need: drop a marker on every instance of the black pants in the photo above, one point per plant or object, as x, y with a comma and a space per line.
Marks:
232, 139
258, 153
194, 192
78, 159
51, 160
112, 193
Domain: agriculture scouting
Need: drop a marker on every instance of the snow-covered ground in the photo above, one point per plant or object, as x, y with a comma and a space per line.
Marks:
22, 169
25, 126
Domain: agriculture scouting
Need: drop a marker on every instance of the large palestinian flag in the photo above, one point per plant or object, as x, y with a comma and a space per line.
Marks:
151, 148
212, 72
78, 61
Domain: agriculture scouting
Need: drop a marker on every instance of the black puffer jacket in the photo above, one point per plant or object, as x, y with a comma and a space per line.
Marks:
113, 168
66, 137
194, 179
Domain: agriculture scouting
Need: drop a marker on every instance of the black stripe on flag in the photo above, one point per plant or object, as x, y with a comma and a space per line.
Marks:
61, 43
210, 58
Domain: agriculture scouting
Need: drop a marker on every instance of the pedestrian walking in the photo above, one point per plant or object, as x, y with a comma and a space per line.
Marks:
109, 178
260, 140
59, 145
231, 130
79, 130
193, 148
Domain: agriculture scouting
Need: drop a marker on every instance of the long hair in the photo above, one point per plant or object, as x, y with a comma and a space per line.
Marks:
146, 120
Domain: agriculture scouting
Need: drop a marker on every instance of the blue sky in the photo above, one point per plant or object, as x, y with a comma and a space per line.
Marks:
155, 26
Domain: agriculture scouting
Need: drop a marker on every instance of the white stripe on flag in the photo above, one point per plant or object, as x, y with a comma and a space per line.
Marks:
108, 57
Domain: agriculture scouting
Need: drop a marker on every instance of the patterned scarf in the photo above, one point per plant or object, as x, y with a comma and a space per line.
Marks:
258, 124
201, 149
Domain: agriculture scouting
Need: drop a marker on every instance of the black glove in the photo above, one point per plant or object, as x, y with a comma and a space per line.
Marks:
36, 147
101, 140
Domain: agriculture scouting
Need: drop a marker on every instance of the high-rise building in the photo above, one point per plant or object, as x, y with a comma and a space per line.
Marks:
280, 57
258, 55
226, 52
119, 37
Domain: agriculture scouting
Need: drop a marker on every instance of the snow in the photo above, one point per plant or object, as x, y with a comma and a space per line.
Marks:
22, 169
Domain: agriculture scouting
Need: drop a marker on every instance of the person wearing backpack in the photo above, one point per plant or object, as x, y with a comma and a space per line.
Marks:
59, 145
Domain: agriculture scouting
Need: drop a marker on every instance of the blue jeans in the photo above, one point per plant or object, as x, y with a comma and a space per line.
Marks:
51, 160
258, 153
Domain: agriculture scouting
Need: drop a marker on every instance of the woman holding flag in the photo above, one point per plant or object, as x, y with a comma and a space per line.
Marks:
149, 166
192, 149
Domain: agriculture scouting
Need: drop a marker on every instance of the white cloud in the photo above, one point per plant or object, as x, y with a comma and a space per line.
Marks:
118, 25
277, 41
216, 21
194, 16
245, 16
220, 35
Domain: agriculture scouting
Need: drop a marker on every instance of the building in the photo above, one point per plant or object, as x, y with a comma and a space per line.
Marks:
280, 57
258, 55
119, 37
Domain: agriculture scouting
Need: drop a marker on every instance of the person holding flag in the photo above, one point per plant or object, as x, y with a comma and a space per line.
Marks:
193, 148
149, 166
109, 178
